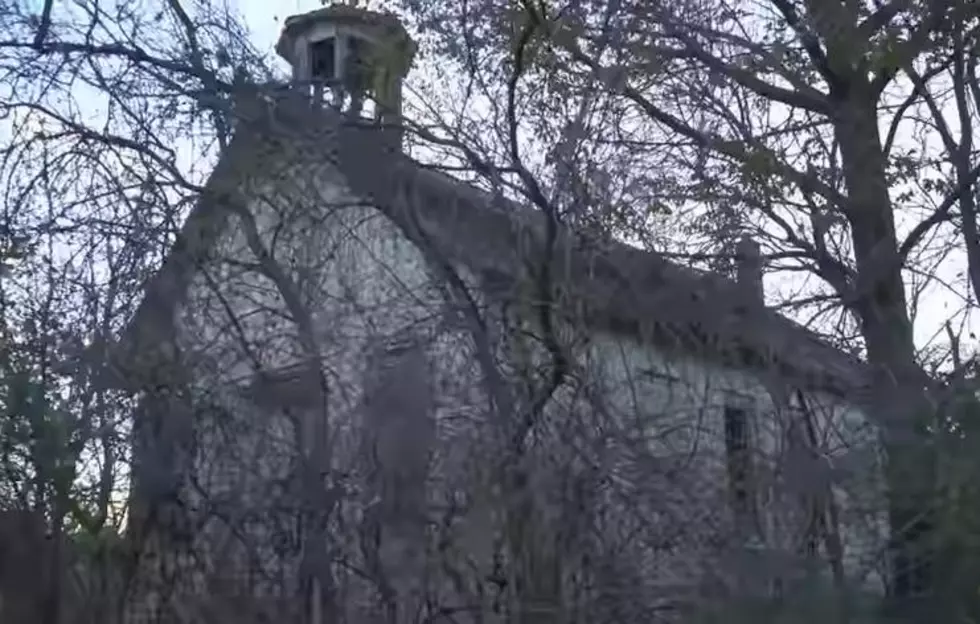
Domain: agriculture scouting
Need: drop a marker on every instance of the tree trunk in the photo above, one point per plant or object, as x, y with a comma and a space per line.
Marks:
899, 399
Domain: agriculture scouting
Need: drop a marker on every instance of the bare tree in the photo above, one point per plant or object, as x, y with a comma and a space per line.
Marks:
94, 187
623, 119
761, 118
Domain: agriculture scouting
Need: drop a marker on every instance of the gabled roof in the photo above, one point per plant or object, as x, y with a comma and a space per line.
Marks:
611, 285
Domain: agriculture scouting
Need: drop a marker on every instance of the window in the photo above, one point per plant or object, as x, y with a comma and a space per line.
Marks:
738, 451
322, 55
399, 426
356, 66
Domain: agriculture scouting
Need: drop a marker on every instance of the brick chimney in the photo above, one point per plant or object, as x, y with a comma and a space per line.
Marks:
748, 268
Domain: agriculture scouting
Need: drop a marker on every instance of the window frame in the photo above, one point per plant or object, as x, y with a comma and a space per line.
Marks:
739, 448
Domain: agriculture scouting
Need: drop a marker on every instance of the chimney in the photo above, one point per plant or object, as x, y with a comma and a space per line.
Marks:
353, 57
748, 268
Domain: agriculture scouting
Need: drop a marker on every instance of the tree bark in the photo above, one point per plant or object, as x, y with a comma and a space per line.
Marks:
899, 396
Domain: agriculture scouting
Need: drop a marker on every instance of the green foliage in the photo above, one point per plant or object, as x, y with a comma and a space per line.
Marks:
958, 537
37, 461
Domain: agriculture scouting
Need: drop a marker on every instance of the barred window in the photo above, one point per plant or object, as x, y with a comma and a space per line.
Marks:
738, 451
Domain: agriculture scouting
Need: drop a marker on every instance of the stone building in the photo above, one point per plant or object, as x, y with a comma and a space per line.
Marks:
349, 408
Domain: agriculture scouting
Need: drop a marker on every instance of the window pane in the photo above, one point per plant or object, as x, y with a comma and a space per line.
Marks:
739, 466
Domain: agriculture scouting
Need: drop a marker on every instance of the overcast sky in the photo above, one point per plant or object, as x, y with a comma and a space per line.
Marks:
264, 17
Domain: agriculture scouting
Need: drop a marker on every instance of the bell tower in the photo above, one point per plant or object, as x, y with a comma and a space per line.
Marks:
352, 59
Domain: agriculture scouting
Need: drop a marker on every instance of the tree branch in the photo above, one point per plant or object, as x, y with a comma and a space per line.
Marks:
880, 18
798, 99
134, 54
940, 214
811, 44
906, 51
44, 26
